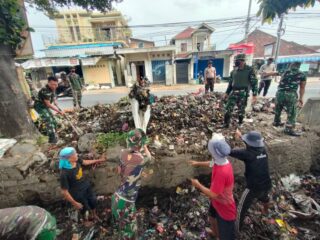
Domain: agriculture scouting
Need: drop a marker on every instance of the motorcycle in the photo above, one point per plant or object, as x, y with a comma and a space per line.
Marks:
64, 91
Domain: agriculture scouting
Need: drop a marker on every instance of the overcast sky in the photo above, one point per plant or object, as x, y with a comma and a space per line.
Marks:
305, 30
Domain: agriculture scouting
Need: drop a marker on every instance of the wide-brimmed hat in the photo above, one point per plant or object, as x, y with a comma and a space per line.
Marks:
253, 139
136, 138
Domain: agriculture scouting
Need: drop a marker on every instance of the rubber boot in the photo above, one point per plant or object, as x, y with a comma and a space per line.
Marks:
53, 139
226, 121
240, 120
278, 124
291, 132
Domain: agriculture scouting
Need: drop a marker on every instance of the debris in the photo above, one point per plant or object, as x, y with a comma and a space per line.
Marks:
306, 204
291, 182
5, 144
264, 105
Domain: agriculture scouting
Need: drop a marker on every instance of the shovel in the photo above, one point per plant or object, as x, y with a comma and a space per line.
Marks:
77, 130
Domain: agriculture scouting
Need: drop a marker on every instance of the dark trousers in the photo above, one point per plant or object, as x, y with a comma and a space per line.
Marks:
226, 228
87, 198
265, 85
248, 196
209, 85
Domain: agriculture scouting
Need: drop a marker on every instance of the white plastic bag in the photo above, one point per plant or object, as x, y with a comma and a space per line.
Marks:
5, 144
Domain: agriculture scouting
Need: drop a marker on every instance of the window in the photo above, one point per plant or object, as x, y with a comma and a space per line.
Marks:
183, 47
72, 33
107, 34
78, 33
140, 45
268, 50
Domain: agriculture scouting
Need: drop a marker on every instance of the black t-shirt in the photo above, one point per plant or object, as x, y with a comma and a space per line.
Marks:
73, 180
256, 167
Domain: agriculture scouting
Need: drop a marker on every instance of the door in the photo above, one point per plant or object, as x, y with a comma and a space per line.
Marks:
159, 71
140, 71
217, 63
182, 72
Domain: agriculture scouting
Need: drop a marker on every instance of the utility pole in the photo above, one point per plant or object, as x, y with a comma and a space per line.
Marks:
279, 34
248, 22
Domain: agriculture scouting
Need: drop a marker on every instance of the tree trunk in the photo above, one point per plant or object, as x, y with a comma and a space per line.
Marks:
15, 120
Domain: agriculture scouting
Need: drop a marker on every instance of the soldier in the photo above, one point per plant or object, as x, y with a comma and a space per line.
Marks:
43, 104
132, 163
242, 78
76, 85
27, 222
286, 97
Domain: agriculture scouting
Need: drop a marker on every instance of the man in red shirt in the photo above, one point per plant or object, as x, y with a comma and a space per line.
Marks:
222, 211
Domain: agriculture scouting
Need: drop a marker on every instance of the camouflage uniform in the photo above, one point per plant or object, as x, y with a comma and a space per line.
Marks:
76, 85
287, 97
238, 90
27, 222
48, 124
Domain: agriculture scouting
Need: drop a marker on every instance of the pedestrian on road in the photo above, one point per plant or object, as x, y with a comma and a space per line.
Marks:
257, 175
266, 71
132, 162
222, 210
27, 222
140, 102
43, 103
77, 86
287, 97
210, 77
242, 79
75, 188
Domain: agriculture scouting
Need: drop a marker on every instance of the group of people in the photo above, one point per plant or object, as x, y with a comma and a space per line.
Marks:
243, 80
77, 190
45, 101
225, 219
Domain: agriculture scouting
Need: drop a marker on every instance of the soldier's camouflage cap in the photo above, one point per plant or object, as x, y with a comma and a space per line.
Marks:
240, 56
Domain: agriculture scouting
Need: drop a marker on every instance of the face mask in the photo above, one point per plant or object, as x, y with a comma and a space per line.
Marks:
237, 63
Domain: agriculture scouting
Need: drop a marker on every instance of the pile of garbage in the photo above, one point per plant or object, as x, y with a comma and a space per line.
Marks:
181, 213
264, 105
182, 124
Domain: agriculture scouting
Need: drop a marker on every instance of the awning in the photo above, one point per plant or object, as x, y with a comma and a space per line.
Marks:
90, 61
50, 62
299, 59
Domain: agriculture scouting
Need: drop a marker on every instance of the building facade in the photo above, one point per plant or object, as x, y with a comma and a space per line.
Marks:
92, 39
194, 50
265, 47
140, 43
155, 63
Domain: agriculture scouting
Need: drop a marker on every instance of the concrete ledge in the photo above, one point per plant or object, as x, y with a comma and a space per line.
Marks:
287, 155
310, 113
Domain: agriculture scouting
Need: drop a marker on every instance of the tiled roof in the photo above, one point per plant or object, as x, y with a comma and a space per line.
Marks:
187, 33
260, 39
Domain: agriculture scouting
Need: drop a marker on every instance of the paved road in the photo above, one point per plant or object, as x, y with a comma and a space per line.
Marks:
90, 99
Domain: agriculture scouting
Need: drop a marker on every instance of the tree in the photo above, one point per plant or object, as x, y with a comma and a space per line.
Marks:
14, 117
269, 9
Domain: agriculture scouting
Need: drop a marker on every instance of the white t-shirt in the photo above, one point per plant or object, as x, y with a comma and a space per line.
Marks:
265, 68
